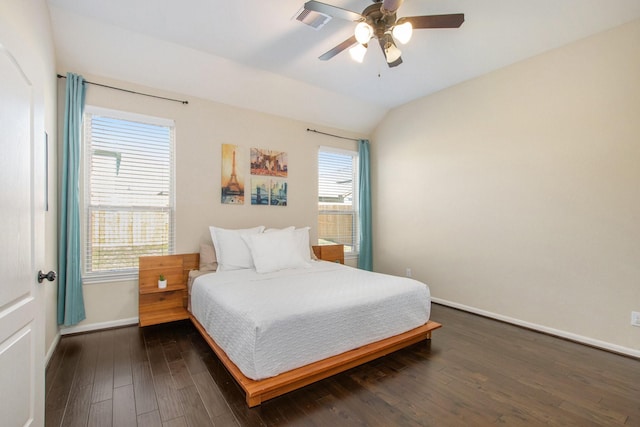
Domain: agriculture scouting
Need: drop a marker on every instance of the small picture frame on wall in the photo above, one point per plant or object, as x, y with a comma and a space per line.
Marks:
260, 187
278, 192
269, 162
232, 188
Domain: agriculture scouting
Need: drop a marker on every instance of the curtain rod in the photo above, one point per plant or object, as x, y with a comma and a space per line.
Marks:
60, 76
330, 134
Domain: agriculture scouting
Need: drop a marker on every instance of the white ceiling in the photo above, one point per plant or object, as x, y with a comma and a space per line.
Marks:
252, 54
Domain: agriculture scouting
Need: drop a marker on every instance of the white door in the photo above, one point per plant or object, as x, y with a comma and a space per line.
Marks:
21, 249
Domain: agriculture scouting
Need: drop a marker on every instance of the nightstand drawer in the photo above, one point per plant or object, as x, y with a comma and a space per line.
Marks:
333, 253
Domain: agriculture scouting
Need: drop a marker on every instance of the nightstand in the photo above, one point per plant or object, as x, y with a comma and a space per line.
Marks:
161, 305
333, 253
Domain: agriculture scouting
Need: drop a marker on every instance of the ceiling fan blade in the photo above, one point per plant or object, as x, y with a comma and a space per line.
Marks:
383, 42
453, 20
336, 50
333, 11
390, 6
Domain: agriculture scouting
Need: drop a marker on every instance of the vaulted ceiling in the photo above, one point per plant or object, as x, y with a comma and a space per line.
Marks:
255, 54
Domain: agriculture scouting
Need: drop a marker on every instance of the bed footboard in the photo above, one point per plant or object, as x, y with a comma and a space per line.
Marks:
262, 390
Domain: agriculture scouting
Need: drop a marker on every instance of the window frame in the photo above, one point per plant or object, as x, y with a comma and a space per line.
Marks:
355, 206
131, 273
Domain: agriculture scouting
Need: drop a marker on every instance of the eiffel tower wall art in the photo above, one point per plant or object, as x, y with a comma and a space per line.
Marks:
232, 191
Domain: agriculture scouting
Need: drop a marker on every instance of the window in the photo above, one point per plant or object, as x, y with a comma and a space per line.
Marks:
128, 192
338, 198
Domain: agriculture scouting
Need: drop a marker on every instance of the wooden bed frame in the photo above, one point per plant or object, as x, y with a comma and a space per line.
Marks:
259, 391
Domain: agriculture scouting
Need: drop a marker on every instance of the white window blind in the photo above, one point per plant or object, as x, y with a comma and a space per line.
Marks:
129, 192
338, 198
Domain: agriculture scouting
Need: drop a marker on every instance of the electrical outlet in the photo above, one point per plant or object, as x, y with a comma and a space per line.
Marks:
635, 318
407, 272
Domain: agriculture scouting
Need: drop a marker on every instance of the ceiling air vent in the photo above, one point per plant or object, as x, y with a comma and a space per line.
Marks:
315, 20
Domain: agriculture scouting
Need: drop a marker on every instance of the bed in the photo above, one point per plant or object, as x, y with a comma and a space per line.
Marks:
278, 329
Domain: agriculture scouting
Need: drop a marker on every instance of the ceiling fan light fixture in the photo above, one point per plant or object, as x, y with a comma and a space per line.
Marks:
403, 32
363, 32
392, 53
357, 52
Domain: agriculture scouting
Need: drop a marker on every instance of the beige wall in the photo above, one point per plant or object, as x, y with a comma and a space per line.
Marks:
517, 194
27, 24
201, 128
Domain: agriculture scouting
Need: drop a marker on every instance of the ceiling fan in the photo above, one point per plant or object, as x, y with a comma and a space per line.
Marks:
377, 21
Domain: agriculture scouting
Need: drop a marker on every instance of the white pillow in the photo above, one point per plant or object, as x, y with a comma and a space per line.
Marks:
274, 251
302, 240
231, 250
271, 230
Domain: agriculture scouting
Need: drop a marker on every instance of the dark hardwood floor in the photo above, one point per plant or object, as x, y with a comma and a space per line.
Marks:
475, 372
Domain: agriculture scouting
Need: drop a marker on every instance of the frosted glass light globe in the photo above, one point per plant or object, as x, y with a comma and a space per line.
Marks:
403, 32
357, 52
363, 32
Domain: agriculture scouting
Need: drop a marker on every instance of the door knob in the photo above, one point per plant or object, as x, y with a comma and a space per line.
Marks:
50, 276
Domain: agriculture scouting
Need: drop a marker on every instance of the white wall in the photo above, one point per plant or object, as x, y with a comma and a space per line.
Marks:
517, 194
27, 22
201, 128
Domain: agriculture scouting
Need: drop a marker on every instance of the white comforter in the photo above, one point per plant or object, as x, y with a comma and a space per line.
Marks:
271, 323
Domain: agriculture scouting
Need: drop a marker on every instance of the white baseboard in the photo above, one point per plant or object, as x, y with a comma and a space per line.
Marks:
52, 348
545, 329
98, 326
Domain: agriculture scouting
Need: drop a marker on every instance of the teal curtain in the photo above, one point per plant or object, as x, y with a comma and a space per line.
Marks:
70, 298
365, 259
